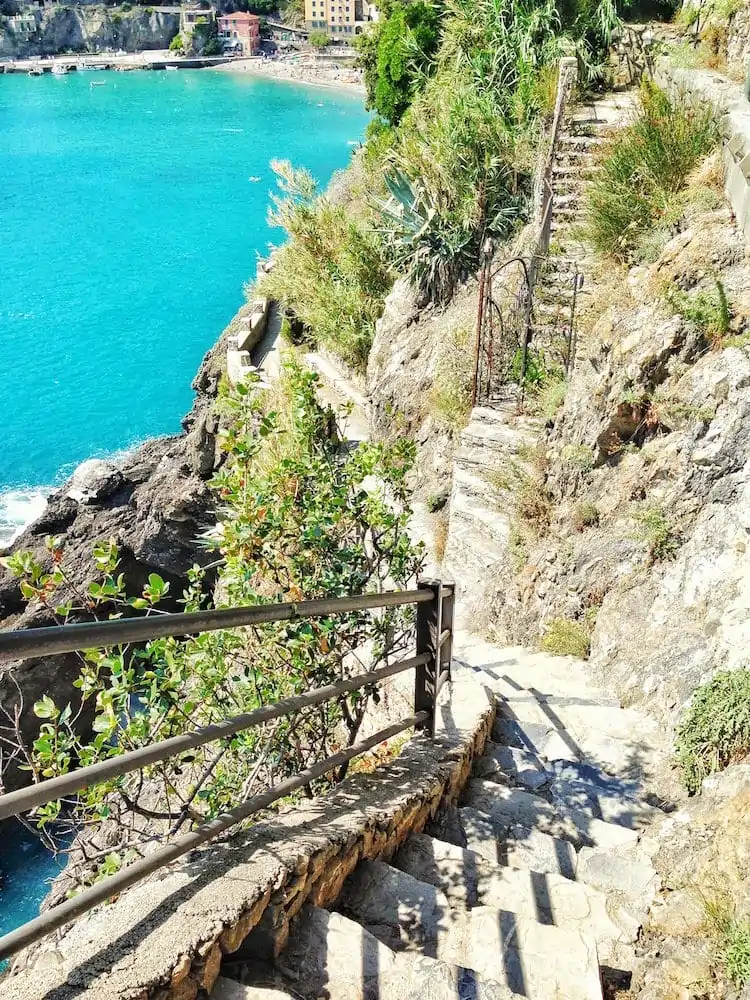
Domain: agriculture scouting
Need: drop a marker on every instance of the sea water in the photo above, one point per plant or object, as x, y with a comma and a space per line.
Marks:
132, 209
131, 214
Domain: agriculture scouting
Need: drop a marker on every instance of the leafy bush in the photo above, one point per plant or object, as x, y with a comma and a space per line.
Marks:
644, 166
176, 45
295, 523
450, 396
406, 42
331, 272
708, 311
318, 39
564, 637
716, 729
585, 515
656, 529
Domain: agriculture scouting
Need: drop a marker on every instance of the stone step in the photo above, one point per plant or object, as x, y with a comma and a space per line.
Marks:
600, 804
230, 989
629, 879
333, 956
539, 961
515, 845
467, 879
513, 806
519, 767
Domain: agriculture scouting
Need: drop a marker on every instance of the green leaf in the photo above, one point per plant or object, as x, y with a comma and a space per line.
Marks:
45, 708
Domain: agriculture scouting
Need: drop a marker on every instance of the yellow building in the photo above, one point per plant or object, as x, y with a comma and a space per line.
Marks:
340, 18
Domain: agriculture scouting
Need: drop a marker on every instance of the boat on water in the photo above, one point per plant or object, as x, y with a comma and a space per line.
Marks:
85, 67
174, 68
98, 83
60, 69
36, 71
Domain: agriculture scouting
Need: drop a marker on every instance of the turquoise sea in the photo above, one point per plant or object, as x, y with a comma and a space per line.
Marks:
131, 213
130, 217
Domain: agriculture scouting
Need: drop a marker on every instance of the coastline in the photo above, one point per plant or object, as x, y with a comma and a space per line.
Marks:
288, 71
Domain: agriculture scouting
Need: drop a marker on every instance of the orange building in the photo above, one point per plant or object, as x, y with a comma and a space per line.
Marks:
240, 30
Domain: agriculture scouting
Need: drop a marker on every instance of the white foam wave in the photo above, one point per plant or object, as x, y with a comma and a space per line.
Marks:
18, 508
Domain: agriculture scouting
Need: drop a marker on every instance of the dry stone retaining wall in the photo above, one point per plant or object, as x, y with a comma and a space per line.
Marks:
165, 939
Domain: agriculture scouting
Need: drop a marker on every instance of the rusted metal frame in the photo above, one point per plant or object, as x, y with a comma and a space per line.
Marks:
55, 639
25, 799
68, 910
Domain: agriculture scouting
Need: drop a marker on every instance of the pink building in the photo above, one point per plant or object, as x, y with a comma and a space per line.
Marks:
240, 30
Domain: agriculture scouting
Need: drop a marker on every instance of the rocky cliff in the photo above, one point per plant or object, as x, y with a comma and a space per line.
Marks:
646, 479
155, 504
88, 28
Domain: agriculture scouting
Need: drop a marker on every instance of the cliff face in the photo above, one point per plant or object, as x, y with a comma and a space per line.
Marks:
155, 504
648, 482
418, 377
87, 29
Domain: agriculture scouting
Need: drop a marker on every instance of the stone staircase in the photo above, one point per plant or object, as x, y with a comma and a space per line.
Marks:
574, 165
536, 886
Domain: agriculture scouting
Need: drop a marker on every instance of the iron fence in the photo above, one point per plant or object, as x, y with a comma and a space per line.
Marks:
434, 602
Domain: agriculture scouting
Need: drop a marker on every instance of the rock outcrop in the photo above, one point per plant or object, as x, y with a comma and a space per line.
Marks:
412, 351
88, 28
648, 474
155, 504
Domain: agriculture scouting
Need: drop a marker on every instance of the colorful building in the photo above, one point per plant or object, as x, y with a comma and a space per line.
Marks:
240, 31
340, 18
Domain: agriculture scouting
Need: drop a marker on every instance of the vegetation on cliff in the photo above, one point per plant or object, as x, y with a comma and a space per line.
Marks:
460, 93
296, 521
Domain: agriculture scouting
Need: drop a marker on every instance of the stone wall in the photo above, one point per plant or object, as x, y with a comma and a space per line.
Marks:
165, 939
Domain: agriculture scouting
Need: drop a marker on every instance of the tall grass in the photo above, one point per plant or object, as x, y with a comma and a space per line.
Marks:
643, 167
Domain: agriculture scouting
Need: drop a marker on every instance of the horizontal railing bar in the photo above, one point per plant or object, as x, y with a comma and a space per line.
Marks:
62, 914
54, 639
24, 799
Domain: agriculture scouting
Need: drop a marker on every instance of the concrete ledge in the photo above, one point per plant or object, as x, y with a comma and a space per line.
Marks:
164, 939
253, 325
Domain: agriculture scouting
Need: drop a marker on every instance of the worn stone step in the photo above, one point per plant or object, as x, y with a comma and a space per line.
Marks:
230, 989
626, 877
467, 879
536, 960
333, 956
515, 845
520, 767
600, 804
513, 806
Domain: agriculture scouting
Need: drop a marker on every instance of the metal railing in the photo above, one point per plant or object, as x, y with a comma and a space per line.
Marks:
432, 665
505, 316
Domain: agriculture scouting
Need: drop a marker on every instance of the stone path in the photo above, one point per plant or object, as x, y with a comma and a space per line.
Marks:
536, 886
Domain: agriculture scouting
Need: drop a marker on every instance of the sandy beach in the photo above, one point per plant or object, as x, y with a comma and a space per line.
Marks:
298, 70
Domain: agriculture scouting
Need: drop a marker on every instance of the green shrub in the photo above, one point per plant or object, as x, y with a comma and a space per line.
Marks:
451, 393
578, 456
318, 39
716, 729
406, 41
710, 312
331, 271
564, 637
656, 529
644, 166
585, 515
548, 398
176, 45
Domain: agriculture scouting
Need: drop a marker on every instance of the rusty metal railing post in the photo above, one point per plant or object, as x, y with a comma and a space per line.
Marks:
429, 628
